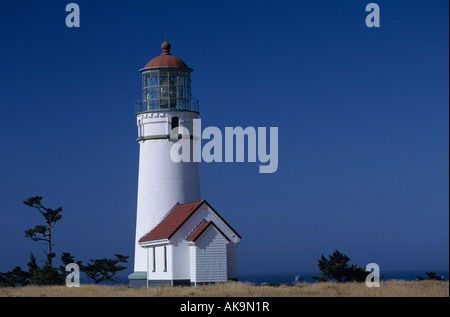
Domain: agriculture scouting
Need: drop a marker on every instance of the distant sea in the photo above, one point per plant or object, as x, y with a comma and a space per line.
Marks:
407, 275
275, 278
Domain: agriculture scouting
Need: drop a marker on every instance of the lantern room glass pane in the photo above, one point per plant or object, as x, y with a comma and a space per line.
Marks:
166, 89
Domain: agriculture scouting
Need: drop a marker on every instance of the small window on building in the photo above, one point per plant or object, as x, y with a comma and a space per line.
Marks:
175, 123
165, 259
154, 260
139, 128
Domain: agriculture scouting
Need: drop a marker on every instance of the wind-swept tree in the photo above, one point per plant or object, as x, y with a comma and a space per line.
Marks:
336, 268
15, 277
43, 232
430, 276
104, 269
99, 270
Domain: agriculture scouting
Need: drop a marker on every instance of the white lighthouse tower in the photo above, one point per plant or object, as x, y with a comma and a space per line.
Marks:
180, 239
166, 104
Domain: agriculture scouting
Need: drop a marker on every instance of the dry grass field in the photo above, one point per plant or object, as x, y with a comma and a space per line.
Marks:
237, 289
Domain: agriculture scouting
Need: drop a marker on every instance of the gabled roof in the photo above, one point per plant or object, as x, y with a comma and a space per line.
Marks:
202, 228
173, 221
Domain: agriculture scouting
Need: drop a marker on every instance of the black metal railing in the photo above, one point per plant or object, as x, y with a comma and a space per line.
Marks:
166, 104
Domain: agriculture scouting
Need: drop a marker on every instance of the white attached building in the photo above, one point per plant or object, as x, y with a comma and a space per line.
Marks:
192, 244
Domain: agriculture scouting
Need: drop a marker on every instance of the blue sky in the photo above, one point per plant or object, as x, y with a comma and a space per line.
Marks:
362, 115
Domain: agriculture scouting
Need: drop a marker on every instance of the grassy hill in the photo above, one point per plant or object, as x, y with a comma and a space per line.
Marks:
237, 289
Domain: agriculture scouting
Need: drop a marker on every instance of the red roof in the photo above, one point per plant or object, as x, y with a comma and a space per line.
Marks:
172, 222
165, 59
202, 228
177, 217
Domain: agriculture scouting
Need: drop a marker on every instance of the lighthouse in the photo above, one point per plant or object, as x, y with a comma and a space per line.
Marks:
169, 204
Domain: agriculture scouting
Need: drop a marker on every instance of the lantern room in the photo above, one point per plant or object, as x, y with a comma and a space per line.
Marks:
166, 84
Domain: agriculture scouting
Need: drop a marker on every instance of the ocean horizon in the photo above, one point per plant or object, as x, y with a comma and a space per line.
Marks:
407, 275
291, 277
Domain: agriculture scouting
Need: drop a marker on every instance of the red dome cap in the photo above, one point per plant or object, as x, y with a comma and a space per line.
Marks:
165, 59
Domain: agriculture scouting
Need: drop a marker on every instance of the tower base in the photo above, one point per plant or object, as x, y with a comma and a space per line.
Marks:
138, 279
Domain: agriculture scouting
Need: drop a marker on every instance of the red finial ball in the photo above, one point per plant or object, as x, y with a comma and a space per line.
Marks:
165, 46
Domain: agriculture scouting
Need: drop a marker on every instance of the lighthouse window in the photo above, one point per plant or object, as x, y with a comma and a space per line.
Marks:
165, 259
175, 122
139, 128
154, 260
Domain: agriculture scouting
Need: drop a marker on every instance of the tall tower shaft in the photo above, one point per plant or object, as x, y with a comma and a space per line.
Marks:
166, 104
